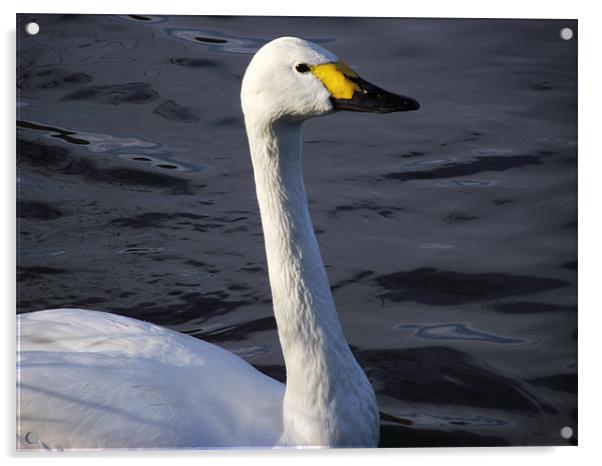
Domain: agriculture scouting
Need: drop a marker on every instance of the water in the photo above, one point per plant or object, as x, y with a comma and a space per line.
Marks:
449, 234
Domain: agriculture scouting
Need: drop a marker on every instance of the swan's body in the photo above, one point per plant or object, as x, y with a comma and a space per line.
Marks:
90, 379
96, 380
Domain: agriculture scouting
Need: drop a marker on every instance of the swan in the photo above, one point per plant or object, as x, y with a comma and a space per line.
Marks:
89, 379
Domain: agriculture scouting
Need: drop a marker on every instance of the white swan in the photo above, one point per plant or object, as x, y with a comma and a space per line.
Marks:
90, 379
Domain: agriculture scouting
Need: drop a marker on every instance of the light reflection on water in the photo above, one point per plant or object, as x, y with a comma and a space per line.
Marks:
129, 148
461, 332
216, 41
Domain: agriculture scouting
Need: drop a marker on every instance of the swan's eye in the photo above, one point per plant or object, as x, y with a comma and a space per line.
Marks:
302, 68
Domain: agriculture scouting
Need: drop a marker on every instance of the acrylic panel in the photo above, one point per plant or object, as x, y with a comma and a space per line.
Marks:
445, 215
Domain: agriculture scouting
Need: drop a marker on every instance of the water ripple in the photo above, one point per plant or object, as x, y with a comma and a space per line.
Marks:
132, 148
425, 418
217, 41
460, 331
143, 18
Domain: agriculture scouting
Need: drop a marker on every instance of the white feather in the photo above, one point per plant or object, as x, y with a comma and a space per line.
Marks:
91, 379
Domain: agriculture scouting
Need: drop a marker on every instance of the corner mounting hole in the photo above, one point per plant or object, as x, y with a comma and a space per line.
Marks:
566, 432
32, 437
32, 28
566, 33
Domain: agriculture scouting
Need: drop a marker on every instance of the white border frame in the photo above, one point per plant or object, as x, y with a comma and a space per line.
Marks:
589, 232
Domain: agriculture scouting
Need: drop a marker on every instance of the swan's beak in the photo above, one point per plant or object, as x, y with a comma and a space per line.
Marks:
371, 98
350, 92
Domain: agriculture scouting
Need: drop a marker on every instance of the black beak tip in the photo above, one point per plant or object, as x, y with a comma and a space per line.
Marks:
410, 104
375, 100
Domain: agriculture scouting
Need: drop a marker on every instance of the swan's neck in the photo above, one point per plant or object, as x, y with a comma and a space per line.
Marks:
328, 399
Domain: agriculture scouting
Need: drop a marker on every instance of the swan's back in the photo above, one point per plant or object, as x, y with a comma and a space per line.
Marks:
90, 379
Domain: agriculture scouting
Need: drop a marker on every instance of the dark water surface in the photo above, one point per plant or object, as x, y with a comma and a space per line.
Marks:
449, 234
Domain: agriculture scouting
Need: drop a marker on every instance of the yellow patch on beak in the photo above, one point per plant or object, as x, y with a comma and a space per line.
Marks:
335, 77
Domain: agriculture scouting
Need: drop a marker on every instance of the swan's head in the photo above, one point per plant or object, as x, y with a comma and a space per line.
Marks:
291, 78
